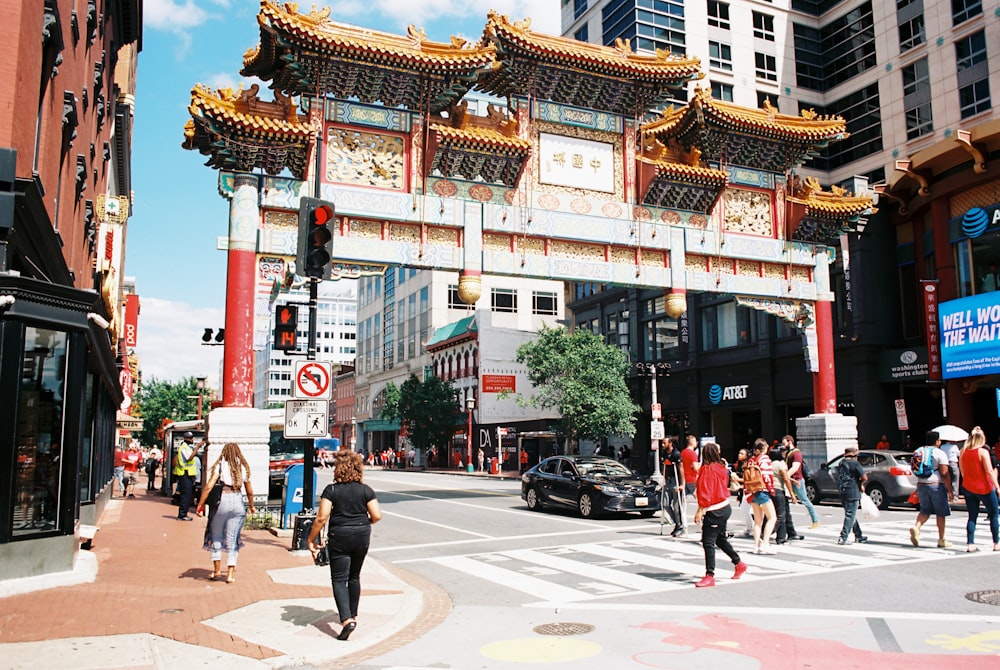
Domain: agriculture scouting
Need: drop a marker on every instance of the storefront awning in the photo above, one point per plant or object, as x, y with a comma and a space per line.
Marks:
129, 423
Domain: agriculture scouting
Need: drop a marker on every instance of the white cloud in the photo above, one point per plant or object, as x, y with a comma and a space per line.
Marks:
172, 15
169, 341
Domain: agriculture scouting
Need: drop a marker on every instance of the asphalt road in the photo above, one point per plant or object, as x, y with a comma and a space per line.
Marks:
552, 590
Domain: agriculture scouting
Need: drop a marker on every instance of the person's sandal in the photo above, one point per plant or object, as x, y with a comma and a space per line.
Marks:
346, 631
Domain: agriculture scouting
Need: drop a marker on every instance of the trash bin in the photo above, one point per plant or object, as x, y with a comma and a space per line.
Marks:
303, 524
494, 466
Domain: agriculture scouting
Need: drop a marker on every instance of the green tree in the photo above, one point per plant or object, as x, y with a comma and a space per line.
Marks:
390, 410
583, 379
177, 401
429, 409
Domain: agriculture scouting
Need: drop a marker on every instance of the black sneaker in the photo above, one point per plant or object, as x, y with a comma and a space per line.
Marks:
863, 538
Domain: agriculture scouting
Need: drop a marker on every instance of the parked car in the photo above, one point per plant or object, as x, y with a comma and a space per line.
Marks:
590, 485
890, 479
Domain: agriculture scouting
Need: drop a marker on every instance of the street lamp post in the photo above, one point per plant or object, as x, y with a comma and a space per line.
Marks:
655, 424
200, 385
470, 404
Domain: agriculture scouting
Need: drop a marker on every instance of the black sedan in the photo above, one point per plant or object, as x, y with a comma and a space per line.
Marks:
589, 484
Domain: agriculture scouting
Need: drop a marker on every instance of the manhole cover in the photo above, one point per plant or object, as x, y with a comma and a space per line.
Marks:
171, 611
985, 597
563, 629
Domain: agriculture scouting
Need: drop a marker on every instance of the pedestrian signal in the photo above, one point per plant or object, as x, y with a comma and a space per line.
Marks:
286, 319
315, 245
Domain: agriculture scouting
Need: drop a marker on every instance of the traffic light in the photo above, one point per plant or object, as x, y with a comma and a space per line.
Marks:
286, 319
316, 221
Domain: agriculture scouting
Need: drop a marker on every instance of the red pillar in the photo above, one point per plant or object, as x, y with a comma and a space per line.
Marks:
824, 379
237, 357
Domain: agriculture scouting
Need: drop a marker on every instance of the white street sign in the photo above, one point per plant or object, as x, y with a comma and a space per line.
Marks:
306, 418
901, 420
656, 430
312, 380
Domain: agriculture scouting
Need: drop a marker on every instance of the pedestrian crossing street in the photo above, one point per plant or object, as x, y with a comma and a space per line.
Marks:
653, 564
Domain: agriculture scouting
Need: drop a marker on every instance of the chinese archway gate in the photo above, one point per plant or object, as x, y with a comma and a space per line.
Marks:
564, 175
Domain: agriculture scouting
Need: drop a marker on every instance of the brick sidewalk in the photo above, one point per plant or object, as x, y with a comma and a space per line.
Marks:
153, 577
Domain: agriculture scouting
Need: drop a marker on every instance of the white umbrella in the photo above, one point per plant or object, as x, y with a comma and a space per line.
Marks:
949, 433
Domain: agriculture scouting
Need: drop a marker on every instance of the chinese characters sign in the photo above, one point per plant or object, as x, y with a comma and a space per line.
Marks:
576, 163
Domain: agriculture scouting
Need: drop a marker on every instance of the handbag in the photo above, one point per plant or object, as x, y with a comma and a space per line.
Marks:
215, 495
323, 556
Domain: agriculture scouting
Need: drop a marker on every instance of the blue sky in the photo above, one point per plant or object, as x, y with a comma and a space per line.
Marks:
178, 214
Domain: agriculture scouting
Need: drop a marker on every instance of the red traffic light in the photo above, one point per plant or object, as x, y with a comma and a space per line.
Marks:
322, 215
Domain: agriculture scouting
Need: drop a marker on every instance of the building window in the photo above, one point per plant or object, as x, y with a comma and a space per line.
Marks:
763, 26
973, 74
720, 56
544, 303
659, 332
963, 10
766, 67
579, 8
863, 115
503, 300
722, 91
726, 325
583, 34
39, 425
917, 99
832, 54
764, 96
718, 14
651, 25
912, 33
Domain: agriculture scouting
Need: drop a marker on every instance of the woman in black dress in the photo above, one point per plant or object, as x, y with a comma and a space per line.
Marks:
351, 508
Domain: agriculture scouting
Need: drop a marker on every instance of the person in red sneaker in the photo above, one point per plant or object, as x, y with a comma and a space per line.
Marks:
133, 457
713, 495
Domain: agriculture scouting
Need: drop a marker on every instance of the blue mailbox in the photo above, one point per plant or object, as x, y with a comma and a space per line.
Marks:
291, 502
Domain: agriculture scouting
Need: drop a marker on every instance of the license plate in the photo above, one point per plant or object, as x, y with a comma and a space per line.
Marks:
641, 502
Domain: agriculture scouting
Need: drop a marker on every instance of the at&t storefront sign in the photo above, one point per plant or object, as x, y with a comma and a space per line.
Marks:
979, 220
719, 394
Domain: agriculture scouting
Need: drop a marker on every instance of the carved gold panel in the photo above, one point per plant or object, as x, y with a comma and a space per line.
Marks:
800, 273
281, 219
748, 268
494, 242
367, 229
695, 264
774, 271
747, 212
445, 236
531, 245
623, 255
588, 252
653, 258
365, 158
724, 267
401, 232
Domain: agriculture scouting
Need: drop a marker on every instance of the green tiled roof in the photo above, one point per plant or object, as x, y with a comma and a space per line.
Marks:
452, 330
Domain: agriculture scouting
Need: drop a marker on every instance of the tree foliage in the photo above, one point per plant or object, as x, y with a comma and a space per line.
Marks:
390, 410
156, 401
583, 379
429, 409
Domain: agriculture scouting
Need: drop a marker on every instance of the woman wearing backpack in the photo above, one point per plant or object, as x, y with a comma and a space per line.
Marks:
979, 484
758, 484
712, 493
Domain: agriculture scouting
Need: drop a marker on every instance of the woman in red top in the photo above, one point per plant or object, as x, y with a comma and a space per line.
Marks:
712, 491
979, 484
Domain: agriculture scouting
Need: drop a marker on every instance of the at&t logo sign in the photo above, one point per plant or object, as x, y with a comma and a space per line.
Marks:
977, 220
717, 394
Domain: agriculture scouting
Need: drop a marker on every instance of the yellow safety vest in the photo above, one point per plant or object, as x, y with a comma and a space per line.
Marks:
185, 461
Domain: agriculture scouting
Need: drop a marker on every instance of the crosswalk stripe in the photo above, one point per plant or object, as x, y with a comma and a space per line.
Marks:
695, 550
590, 571
533, 586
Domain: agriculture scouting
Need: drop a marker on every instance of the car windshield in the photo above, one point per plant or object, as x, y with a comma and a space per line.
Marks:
603, 468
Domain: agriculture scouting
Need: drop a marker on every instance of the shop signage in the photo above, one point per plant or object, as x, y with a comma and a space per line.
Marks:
901, 421
499, 384
718, 394
970, 336
903, 365
933, 334
131, 320
977, 220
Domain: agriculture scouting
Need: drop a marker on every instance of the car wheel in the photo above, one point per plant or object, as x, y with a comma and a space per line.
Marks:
878, 496
534, 504
812, 492
586, 505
